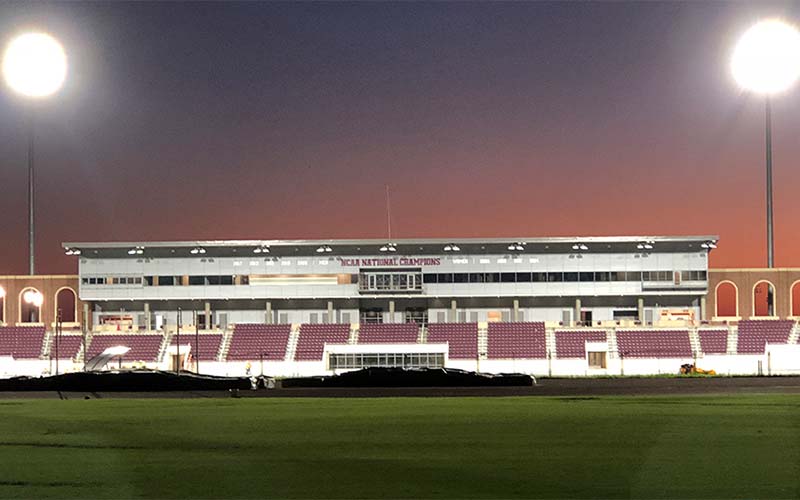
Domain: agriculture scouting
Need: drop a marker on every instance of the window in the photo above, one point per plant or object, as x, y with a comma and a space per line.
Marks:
492, 277
633, 276
460, 278
586, 276
555, 277
597, 360
476, 278
539, 277
508, 277
429, 278
602, 276
445, 278
148, 280
197, 280
244, 279
166, 280
523, 277
570, 277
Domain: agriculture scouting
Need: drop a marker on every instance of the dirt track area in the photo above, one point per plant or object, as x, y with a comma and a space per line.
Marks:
544, 387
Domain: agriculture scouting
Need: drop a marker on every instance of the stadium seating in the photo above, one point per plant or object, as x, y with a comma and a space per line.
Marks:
516, 340
755, 334
461, 337
68, 346
144, 347
21, 342
208, 345
572, 344
388, 333
654, 344
713, 341
250, 341
312, 339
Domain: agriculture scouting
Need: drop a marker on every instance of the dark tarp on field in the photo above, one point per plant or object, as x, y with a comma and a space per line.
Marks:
124, 381
421, 377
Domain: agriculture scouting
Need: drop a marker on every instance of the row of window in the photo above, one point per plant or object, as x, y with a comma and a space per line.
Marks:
167, 280
551, 277
411, 360
411, 281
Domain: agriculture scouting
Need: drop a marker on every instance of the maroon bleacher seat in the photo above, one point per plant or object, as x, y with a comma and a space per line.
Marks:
21, 342
251, 341
207, 346
754, 335
68, 346
572, 344
713, 341
144, 347
388, 333
516, 340
461, 337
312, 339
654, 344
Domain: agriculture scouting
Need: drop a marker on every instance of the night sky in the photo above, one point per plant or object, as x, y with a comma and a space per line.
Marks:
286, 120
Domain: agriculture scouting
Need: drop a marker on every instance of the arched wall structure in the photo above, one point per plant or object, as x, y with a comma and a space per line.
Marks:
782, 279
48, 285
726, 299
67, 300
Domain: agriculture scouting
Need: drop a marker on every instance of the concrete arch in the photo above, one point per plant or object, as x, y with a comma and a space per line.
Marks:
66, 316
770, 307
735, 297
794, 305
28, 313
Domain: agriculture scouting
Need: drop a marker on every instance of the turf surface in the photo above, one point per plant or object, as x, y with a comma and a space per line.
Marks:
610, 447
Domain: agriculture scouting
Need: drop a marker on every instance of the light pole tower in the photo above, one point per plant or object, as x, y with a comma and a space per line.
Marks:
34, 66
766, 61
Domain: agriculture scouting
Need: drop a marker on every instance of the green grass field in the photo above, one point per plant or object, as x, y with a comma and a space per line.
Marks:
610, 447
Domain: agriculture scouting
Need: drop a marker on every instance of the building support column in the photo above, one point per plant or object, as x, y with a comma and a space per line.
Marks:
703, 308
640, 307
207, 314
391, 311
147, 321
453, 311
331, 319
577, 315
86, 316
515, 313
269, 313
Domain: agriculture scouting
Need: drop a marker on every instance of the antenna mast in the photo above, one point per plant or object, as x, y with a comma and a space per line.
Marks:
388, 214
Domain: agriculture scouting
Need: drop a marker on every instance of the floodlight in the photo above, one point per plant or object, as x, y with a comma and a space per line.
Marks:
766, 60
34, 65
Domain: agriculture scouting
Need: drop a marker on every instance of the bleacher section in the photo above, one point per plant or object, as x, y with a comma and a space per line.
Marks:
312, 339
208, 345
572, 344
388, 333
68, 346
21, 342
144, 347
755, 334
250, 341
461, 337
516, 341
654, 344
713, 341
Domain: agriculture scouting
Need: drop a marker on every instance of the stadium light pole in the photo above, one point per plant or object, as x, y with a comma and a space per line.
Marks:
35, 67
766, 61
